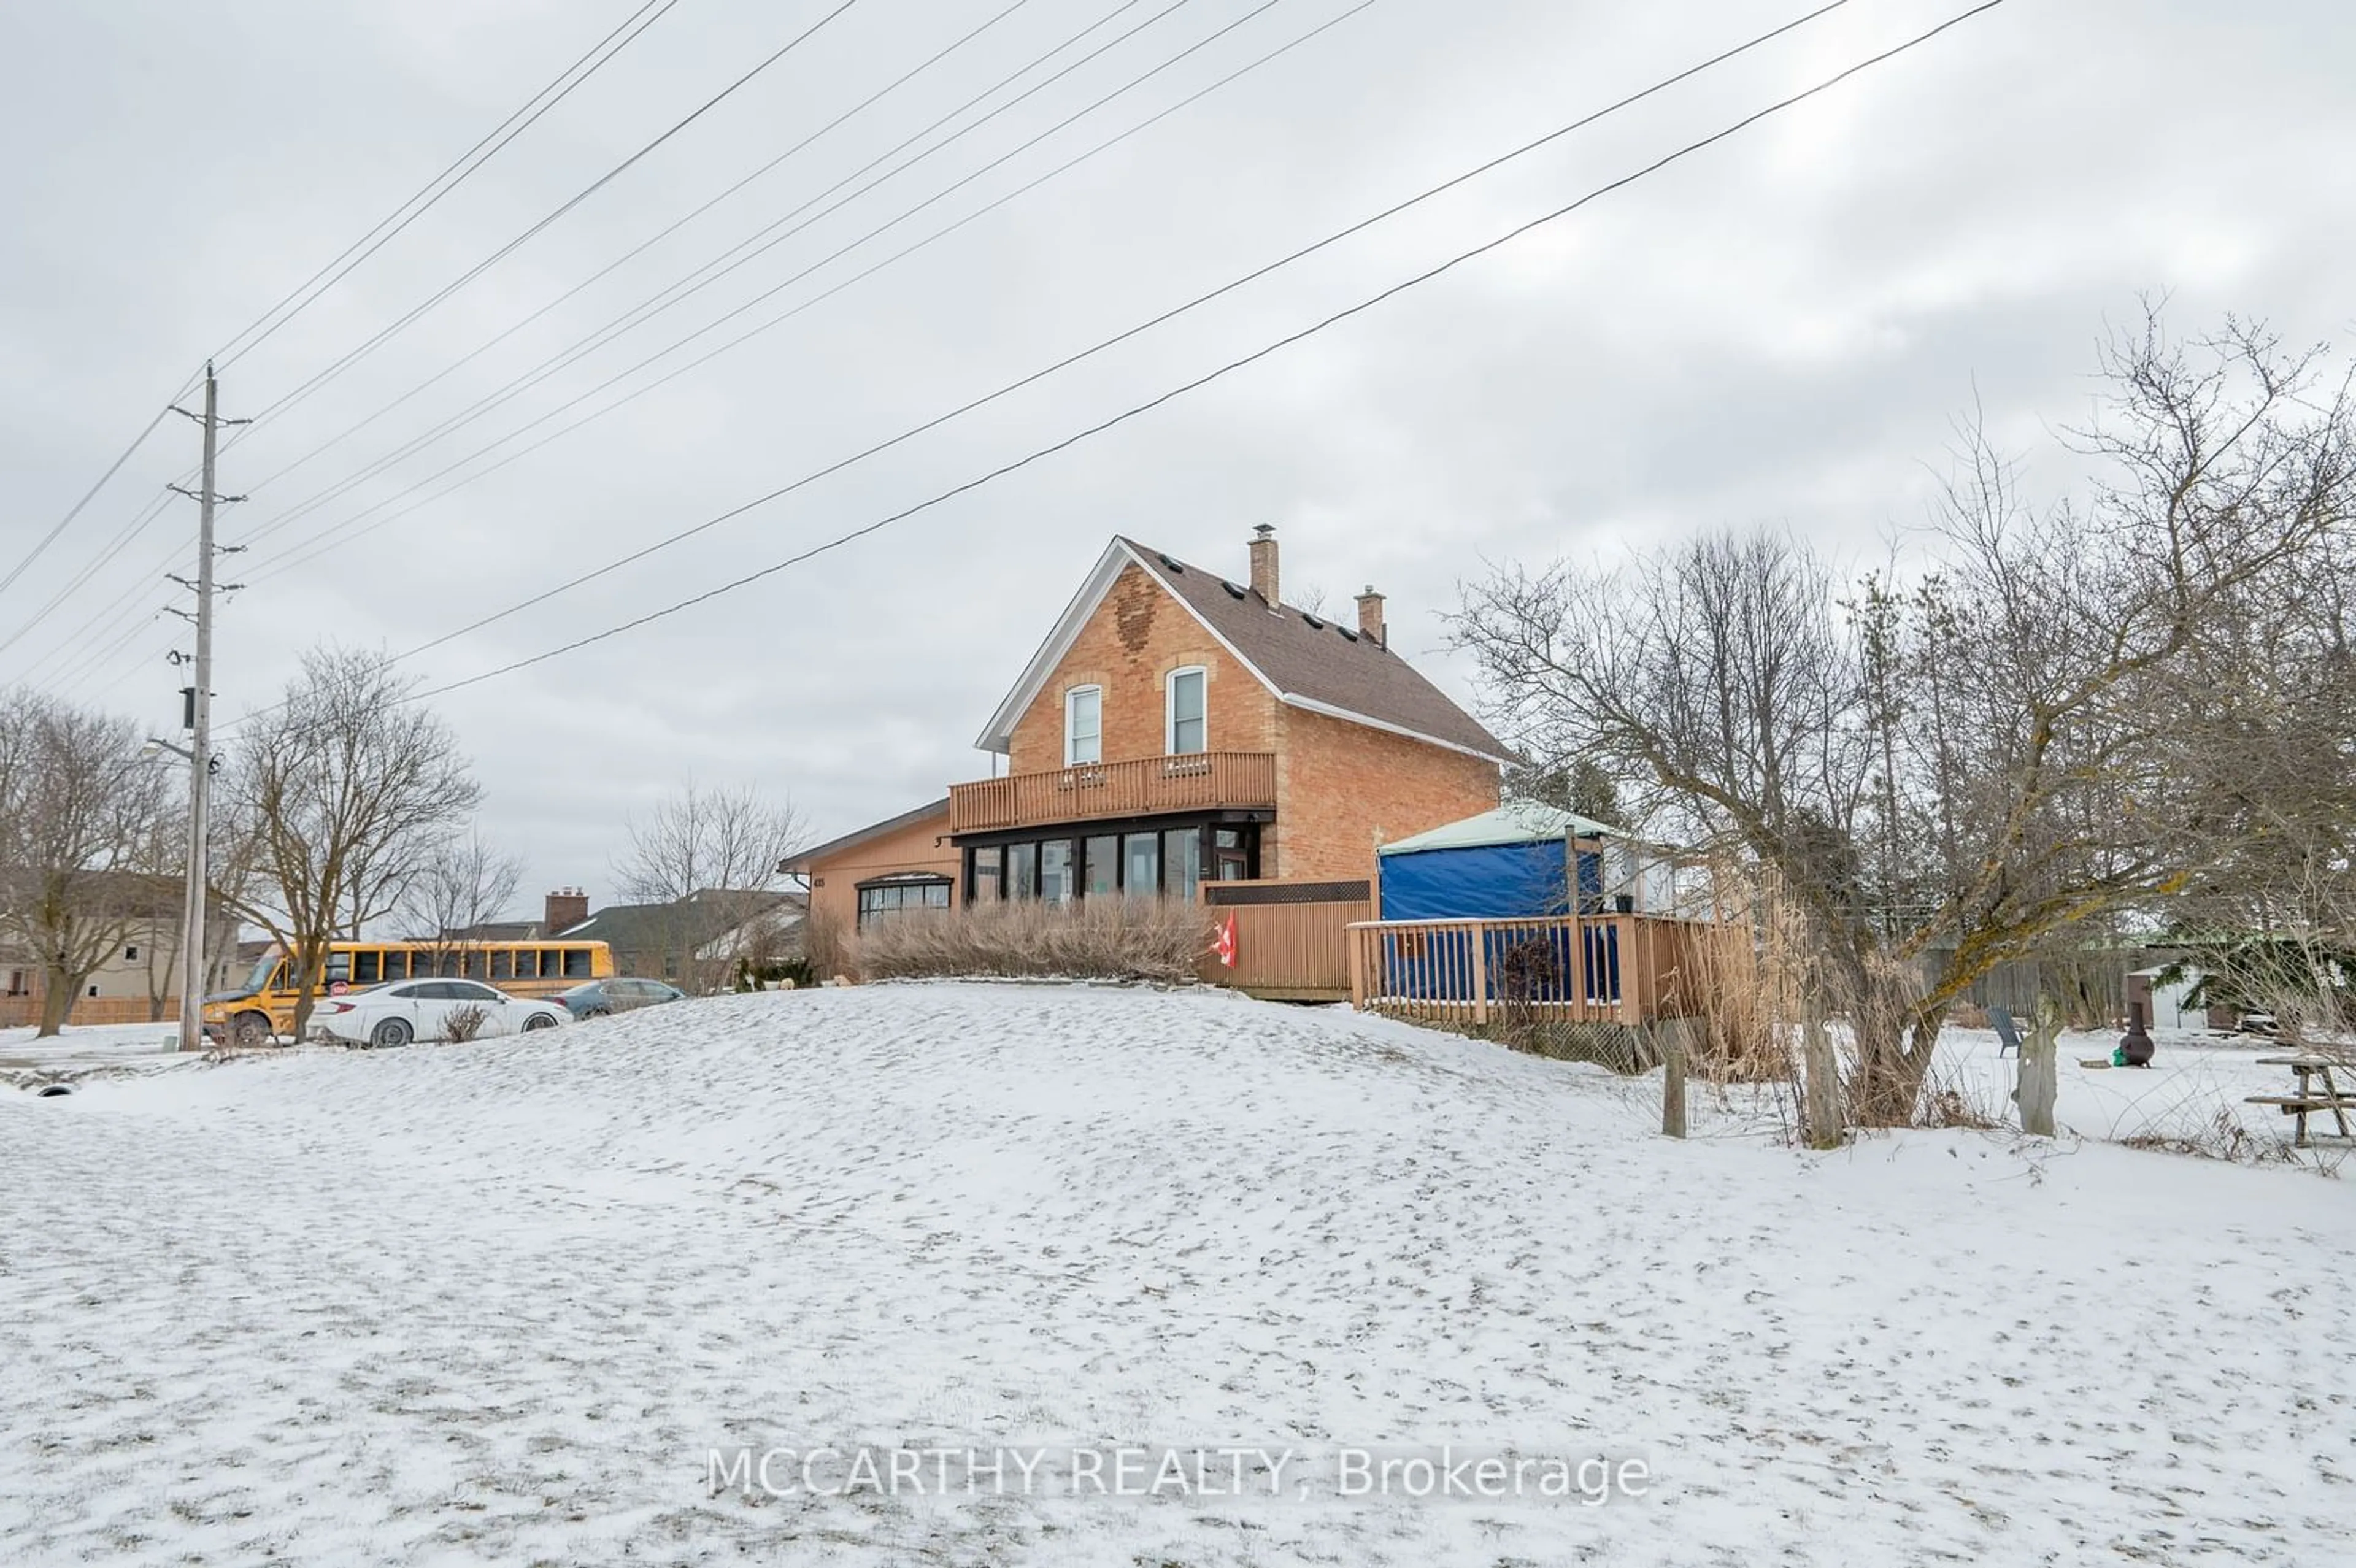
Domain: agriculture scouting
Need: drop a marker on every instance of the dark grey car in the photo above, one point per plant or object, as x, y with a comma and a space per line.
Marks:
596, 998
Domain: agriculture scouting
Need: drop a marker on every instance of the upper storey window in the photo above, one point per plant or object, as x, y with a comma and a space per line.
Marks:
1083, 725
1188, 730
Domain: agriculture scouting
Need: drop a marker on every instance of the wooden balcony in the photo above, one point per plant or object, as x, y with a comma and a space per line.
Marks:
1145, 786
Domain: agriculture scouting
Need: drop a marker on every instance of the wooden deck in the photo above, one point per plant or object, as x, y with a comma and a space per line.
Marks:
1599, 968
1144, 786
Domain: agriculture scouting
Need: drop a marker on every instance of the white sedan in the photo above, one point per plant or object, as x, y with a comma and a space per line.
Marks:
428, 1009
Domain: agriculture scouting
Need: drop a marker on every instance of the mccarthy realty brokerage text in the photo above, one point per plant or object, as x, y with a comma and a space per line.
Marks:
1217, 1473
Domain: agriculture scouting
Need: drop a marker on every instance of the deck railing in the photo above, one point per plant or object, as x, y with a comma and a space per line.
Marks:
1620, 968
1144, 786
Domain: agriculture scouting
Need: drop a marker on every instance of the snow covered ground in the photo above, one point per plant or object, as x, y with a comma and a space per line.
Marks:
83, 1049
501, 1302
2195, 1077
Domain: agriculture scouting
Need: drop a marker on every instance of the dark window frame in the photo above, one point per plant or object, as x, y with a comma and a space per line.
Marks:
900, 885
1241, 856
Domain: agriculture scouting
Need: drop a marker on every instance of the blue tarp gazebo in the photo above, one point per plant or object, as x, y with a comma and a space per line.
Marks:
1512, 861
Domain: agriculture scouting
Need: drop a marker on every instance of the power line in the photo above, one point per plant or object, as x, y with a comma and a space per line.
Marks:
90, 494
1085, 31
427, 195
327, 539
1256, 355
263, 327
1230, 287
645, 245
711, 271
383, 335
138, 524
73, 671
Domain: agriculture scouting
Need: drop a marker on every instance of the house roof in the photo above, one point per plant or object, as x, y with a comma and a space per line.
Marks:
799, 863
693, 921
495, 931
1518, 821
1305, 660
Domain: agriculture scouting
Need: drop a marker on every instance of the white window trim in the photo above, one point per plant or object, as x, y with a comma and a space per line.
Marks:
1071, 757
1170, 709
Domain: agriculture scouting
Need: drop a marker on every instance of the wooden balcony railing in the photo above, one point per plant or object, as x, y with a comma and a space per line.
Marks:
1617, 969
1145, 786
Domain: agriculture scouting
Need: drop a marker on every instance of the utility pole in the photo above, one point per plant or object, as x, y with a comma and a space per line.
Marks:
198, 716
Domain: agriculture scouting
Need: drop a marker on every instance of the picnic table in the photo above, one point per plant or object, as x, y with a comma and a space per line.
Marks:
2318, 1091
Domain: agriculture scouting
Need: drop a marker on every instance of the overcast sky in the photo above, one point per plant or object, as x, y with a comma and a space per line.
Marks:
1779, 329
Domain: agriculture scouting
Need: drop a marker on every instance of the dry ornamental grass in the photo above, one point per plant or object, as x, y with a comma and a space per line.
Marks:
1096, 939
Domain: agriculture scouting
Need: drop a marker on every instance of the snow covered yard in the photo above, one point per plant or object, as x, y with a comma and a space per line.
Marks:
500, 1302
83, 1046
2194, 1078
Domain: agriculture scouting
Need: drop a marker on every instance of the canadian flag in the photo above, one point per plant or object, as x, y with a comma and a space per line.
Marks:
1225, 947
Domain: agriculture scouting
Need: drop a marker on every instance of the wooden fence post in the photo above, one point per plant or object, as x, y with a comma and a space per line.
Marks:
1630, 941
1671, 1035
1358, 939
1577, 966
1820, 1067
1479, 936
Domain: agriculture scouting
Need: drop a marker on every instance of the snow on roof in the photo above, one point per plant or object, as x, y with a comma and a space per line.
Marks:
1520, 822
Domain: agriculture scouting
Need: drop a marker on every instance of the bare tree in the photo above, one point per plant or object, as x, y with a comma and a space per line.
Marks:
1946, 775
464, 884
343, 793
79, 805
710, 857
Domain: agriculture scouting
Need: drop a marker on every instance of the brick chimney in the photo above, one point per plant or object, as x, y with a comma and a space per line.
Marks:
1370, 617
566, 907
1263, 563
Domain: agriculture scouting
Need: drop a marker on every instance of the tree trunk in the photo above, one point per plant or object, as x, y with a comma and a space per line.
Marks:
1888, 1081
2039, 1082
58, 994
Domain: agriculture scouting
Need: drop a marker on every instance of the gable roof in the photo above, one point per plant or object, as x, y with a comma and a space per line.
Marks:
1517, 822
1304, 660
694, 920
799, 862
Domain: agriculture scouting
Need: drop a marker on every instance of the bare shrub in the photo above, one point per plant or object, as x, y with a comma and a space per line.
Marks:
462, 1024
1744, 979
1969, 1015
1096, 939
1950, 1106
825, 944
2222, 1137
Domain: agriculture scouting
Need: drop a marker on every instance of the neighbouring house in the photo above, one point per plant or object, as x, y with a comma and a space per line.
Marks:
695, 941
561, 910
901, 862
1179, 725
140, 976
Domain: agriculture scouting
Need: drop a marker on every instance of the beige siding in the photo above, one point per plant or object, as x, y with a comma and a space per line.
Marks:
922, 845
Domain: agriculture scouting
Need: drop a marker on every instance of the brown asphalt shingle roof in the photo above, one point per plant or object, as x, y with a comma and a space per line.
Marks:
1312, 658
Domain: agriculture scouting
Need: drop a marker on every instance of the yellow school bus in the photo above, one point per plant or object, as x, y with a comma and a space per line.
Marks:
264, 1005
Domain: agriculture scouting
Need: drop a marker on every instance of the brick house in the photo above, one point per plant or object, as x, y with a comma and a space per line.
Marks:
1177, 726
